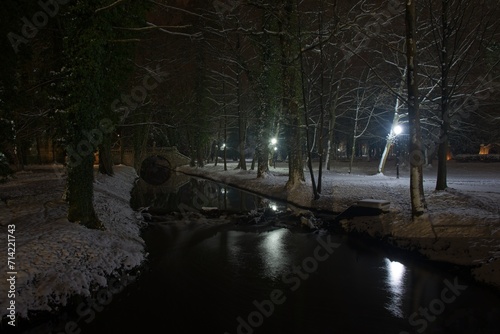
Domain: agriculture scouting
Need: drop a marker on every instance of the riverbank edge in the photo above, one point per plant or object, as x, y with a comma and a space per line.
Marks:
112, 196
415, 236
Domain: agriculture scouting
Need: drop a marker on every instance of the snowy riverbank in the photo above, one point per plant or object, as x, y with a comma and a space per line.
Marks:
56, 259
462, 227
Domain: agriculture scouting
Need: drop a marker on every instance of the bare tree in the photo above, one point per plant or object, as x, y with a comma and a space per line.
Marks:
459, 31
418, 204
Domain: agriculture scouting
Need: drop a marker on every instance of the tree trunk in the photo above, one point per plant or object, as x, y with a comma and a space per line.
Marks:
293, 128
418, 204
199, 155
105, 157
264, 119
321, 105
295, 158
242, 131
331, 123
81, 193
306, 122
353, 150
441, 183
225, 141
38, 150
330, 147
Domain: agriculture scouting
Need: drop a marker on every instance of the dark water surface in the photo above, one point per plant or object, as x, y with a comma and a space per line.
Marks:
215, 276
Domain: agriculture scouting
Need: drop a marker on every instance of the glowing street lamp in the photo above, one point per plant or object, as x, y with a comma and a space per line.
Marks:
274, 143
398, 129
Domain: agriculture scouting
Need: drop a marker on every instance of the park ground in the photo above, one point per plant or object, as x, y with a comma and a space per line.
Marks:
56, 259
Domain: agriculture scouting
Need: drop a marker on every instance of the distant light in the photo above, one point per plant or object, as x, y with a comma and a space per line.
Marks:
398, 129
275, 148
274, 141
223, 146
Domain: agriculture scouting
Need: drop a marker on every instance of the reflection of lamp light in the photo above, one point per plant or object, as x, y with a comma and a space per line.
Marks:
272, 252
397, 129
396, 272
275, 148
395, 282
223, 147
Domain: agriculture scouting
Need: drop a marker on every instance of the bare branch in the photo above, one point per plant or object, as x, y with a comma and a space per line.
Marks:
114, 4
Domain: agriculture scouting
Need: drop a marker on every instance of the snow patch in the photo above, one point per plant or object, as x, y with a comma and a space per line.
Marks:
57, 259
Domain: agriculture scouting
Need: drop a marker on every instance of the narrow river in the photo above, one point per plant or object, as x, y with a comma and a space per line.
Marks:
235, 274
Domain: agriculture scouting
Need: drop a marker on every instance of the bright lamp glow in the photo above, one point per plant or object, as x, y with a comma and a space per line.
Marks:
398, 129
274, 141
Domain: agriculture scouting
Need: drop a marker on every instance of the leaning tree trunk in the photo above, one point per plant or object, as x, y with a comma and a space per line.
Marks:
390, 140
395, 120
418, 204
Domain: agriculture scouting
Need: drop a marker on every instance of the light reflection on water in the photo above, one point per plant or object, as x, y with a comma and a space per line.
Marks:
234, 249
395, 282
273, 252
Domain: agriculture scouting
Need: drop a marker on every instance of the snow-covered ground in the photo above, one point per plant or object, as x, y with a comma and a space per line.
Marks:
462, 225
56, 259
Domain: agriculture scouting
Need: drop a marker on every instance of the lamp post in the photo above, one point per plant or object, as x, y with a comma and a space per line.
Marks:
397, 131
275, 156
274, 152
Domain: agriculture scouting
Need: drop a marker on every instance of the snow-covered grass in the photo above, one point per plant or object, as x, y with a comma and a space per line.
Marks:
462, 225
56, 259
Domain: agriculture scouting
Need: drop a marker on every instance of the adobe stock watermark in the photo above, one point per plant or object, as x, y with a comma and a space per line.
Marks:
371, 29
200, 199
88, 309
30, 28
226, 6
138, 94
124, 105
294, 278
437, 306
